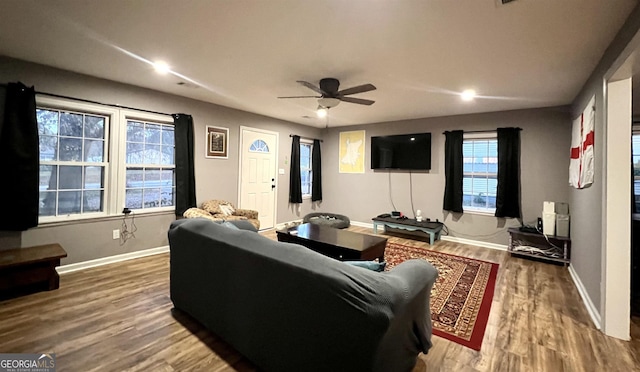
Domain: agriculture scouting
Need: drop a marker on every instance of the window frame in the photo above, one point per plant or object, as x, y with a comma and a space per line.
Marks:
114, 156
635, 131
309, 143
85, 108
490, 135
127, 115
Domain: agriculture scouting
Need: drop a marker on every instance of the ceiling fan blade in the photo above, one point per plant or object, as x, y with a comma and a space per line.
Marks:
311, 86
358, 89
359, 101
302, 97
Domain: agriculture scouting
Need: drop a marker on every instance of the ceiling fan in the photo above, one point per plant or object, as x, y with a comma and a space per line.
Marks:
330, 96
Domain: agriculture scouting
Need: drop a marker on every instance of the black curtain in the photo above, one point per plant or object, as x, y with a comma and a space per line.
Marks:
295, 182
508, 194
185, 174
20, 154
316, 166
453, 171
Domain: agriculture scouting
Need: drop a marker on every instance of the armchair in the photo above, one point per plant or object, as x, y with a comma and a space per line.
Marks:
218, 210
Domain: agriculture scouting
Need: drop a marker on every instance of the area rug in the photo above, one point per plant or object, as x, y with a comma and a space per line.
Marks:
461, 297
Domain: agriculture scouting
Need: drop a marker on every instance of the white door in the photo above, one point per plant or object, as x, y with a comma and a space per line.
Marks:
258, 154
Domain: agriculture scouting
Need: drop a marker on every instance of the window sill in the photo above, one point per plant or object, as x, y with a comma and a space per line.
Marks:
480, 213
113, 217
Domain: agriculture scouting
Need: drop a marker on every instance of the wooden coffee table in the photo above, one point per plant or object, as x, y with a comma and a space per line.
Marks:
339, 244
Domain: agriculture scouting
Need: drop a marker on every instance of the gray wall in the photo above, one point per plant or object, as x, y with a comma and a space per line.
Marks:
215, 178
587, 204
545, 139
545, 144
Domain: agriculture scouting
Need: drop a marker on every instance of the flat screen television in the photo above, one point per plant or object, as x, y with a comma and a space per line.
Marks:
404, 151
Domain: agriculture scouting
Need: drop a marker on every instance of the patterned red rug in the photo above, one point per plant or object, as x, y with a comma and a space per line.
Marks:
461, 298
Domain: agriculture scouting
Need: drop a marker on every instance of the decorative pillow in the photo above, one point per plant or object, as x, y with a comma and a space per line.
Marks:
227, 209
213, 206
371, 265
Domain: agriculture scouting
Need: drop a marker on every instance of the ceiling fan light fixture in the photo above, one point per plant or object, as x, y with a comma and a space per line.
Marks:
328, 102
322, 112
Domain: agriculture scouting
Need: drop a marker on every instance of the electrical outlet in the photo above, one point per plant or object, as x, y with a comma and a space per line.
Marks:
116, 234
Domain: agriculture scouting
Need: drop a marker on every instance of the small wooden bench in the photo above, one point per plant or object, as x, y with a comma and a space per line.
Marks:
32, 267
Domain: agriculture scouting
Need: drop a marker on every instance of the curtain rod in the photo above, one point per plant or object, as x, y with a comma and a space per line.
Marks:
307, 138
98, 103
480, 131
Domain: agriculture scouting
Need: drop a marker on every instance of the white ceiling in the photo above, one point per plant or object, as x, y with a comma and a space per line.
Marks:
245, 53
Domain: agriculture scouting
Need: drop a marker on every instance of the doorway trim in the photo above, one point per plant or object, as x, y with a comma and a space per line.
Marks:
240, 147
616, 240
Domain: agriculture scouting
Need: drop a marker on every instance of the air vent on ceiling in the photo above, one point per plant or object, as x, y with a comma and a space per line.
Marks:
186, 84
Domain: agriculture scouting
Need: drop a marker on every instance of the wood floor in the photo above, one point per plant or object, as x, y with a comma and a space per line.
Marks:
119, 318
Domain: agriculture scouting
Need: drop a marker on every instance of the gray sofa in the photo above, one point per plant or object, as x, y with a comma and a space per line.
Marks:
287, 308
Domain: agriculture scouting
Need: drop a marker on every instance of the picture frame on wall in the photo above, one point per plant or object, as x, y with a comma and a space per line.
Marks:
351, 152
217, 142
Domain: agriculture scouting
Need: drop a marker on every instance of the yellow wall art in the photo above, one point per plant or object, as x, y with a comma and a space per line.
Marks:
352, 152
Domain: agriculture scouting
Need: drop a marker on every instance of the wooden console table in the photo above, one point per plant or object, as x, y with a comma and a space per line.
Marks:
33, 267
549, 248
431, 228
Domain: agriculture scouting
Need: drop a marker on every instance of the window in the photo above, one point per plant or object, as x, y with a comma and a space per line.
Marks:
635, 148
306, 168
480, 172
259, 146
73, 159
150, 165
94, 161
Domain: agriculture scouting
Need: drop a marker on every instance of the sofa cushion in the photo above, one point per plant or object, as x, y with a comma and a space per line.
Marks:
371, 265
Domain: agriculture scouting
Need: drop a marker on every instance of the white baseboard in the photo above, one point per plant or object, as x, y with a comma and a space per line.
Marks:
454, 239
64, 269
591, 308
362, 224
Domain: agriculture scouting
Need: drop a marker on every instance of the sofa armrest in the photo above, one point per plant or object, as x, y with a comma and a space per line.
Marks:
415, 273
249, 213
416, 278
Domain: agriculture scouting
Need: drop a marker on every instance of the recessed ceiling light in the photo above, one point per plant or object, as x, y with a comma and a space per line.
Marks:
468, 95
161, 67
